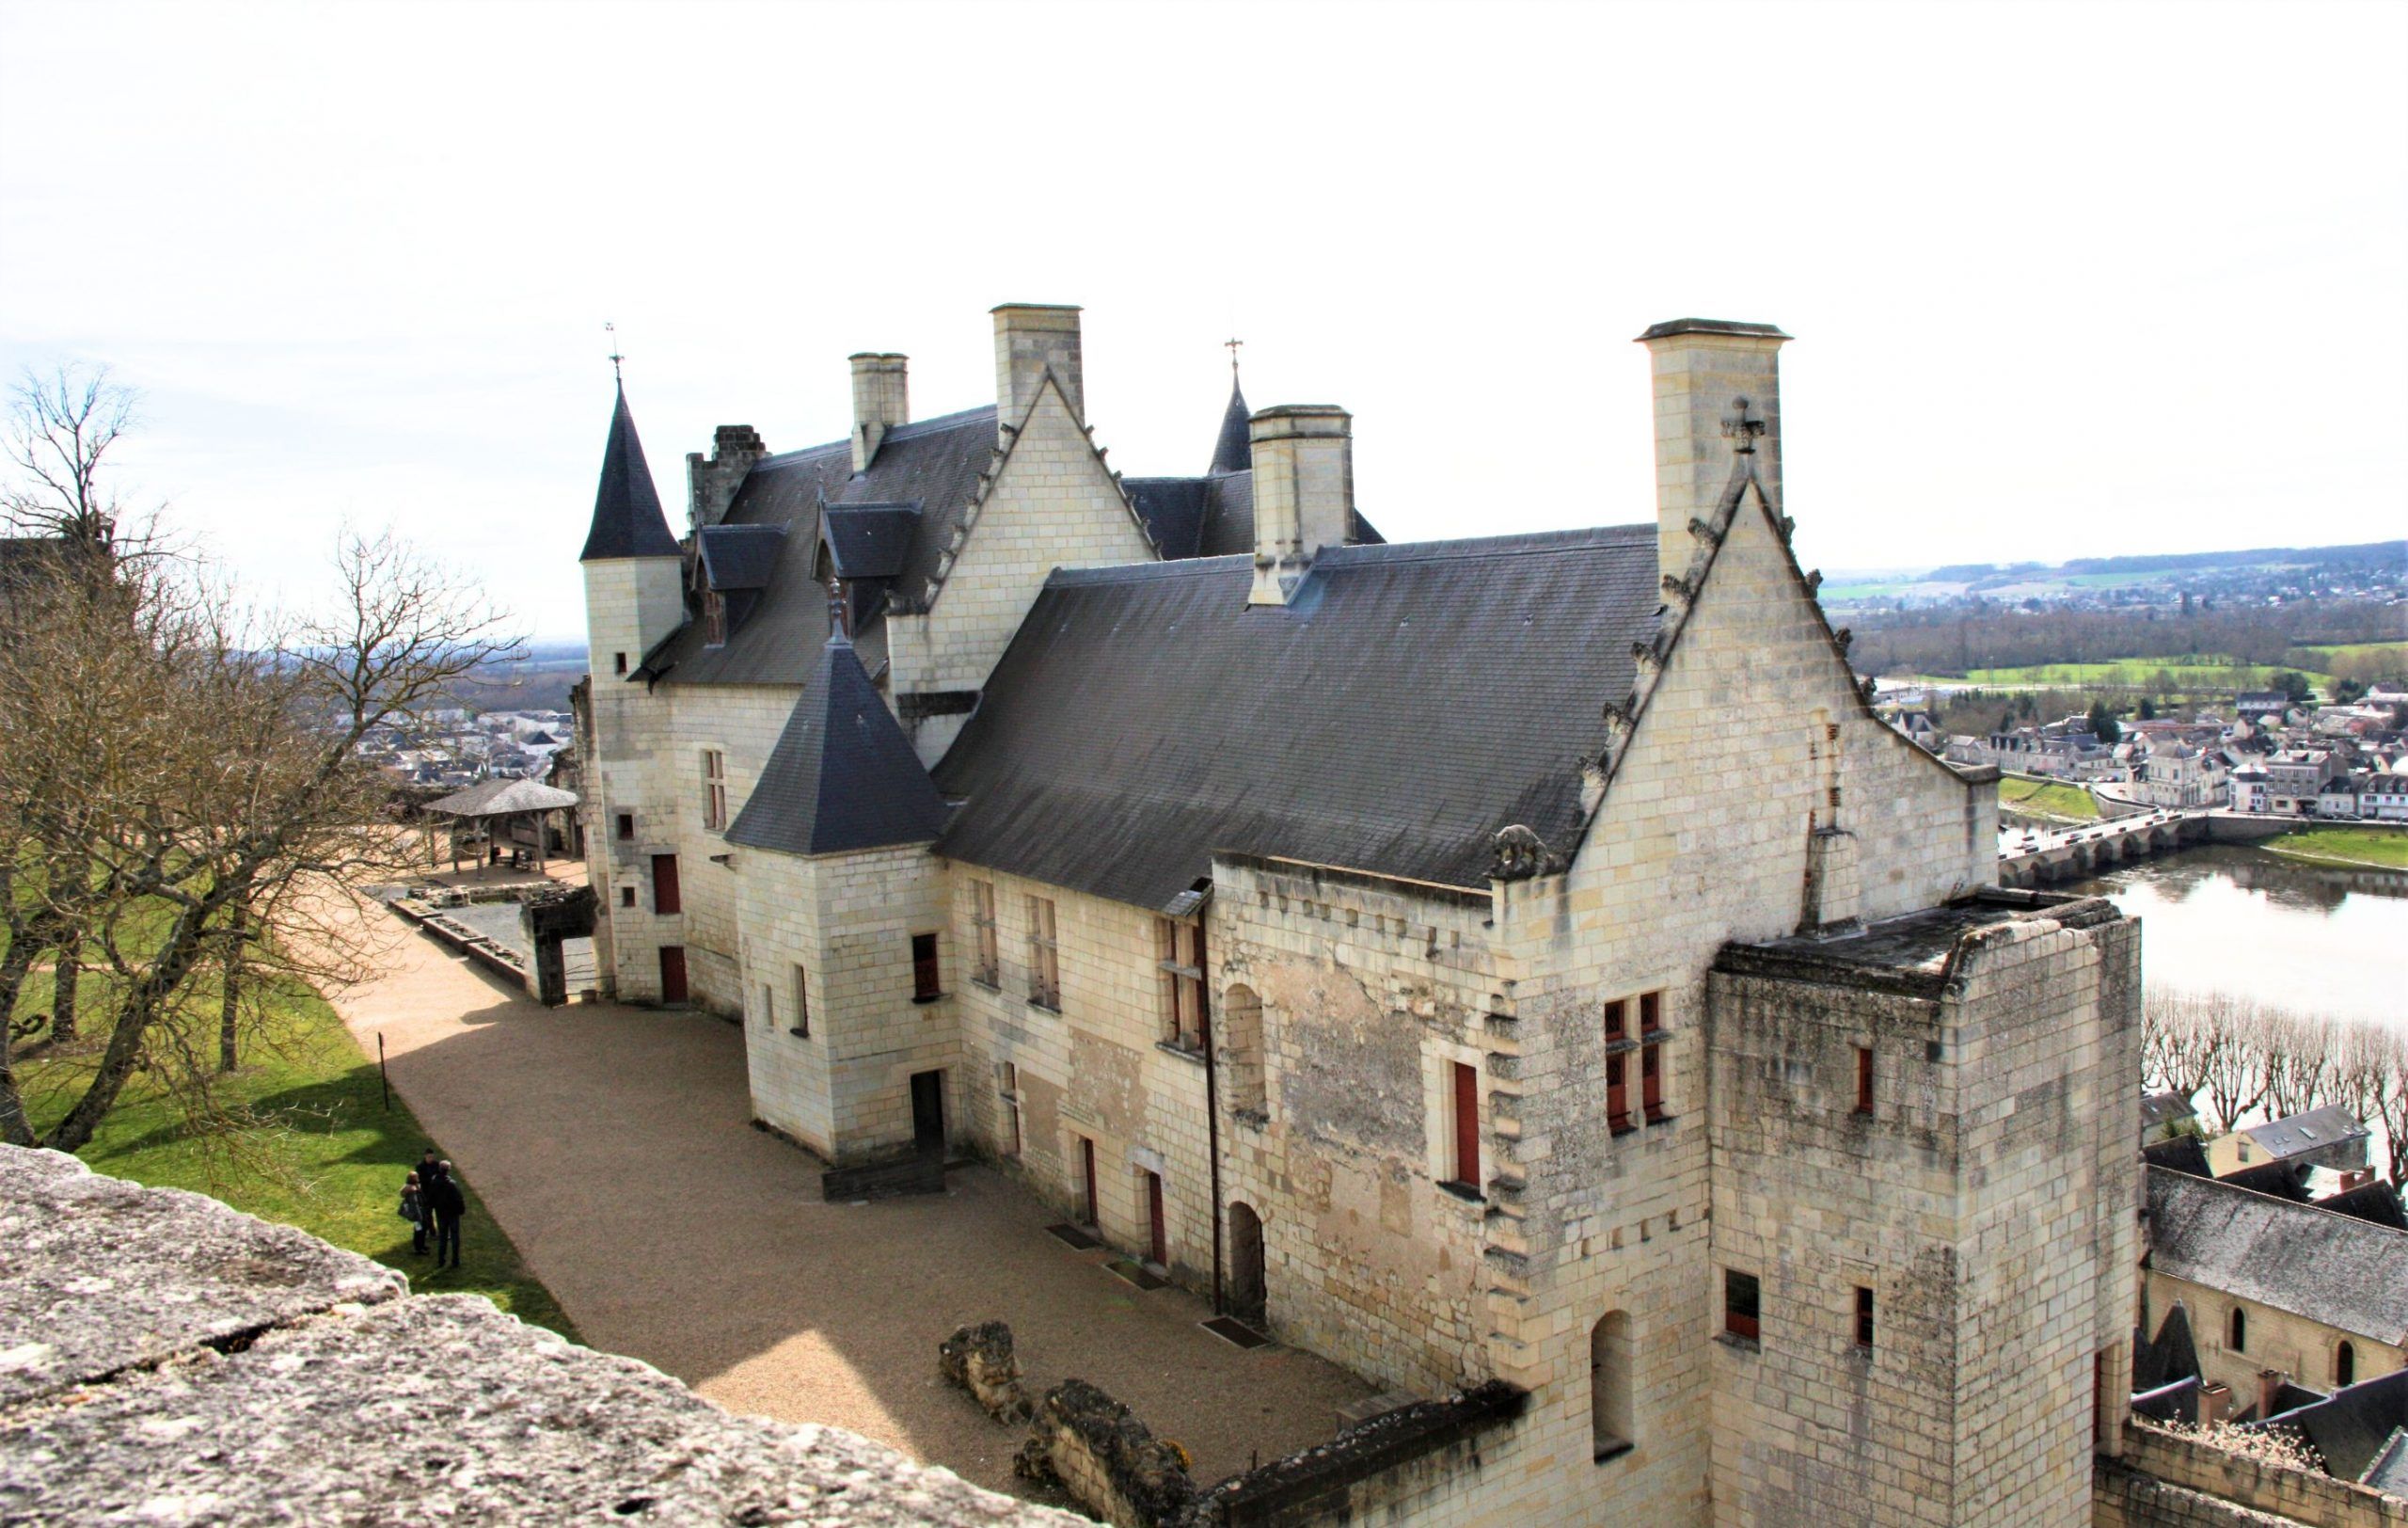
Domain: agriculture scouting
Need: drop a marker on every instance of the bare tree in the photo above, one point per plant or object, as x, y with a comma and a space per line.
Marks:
2299, 1062
212, 782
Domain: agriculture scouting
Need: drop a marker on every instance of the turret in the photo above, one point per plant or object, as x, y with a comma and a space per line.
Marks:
633, 566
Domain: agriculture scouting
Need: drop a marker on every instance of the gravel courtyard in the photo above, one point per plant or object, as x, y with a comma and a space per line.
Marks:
613, 1145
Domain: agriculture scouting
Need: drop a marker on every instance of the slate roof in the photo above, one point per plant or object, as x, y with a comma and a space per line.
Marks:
2183, 1154
2343, 1272
842, 776
2170, 1357
1210, 517
868, 541
1233, 448
2373, 1199
2165, 1109
2356, 1429
499, 798
739, 556
933, 464
628, 521
1146, 717
2314, 1131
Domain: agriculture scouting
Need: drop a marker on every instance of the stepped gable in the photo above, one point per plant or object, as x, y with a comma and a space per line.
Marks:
842, 776
1409, 703
628, 521
931, 467
2331, 1269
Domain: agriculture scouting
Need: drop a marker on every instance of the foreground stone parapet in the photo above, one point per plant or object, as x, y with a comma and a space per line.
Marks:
98, 1275
239, 1377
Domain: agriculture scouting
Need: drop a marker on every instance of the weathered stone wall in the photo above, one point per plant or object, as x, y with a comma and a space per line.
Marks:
1110, 1463
845, 1089
2185, 1464
165, 1360
1425, 1464
2304, 1350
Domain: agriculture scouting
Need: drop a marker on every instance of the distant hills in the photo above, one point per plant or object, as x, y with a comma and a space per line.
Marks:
2370, 569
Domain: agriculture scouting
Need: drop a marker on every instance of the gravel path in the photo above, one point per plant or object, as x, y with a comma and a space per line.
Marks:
613, 1145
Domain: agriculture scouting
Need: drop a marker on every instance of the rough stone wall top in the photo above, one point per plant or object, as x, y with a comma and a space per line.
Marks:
166, 1360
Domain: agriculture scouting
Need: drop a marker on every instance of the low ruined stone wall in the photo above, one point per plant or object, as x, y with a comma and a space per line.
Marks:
2186, 1484
166, 1360
1422, 1463
1110, 1463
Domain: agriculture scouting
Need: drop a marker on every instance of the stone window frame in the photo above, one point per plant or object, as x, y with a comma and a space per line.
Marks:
987, 967
715, 790
802, 1029
1044, 954
1648, 1043
1742, 1307
1864, 1328
1440, 1059
1187, 1002
927, 970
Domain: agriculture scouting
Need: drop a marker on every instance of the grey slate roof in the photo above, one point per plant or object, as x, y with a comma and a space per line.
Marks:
739, 556
933, 464
1233, 448
1210, 517
1145, 717
628, 521
842, 776
2356, 1428
2373, 1199
501, 798
2164, 1108
2314, 1131
868, 541
2343, 1272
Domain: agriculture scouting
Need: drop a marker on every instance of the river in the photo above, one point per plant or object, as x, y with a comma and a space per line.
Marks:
2234, 918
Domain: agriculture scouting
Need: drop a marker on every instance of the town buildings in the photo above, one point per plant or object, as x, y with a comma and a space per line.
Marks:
1397, 941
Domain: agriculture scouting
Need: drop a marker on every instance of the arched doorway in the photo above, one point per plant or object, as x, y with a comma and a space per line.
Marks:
1249, 1295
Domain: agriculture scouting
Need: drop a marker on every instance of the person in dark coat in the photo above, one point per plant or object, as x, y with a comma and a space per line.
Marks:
445, 1205
413, 1210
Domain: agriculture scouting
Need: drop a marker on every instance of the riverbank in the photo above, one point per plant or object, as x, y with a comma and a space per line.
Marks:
2352, 845
328, 1153
2050, 800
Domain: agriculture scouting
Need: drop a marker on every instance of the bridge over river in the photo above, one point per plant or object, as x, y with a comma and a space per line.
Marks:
2040, 857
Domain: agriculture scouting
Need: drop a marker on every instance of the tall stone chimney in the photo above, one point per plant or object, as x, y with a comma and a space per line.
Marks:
711, 482
1703, 366
1031, 338
881, 400
1303, 492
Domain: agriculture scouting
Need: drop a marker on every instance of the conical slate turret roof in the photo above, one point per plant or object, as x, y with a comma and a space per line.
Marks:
1231, 452
842, 776
628, 521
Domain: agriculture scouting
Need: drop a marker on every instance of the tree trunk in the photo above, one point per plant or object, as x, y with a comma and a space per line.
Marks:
231, 1000
70, 976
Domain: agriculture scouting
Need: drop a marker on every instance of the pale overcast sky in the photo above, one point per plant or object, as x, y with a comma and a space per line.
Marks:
2064, 279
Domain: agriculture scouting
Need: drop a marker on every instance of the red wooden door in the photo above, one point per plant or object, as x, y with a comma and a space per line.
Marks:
1466, 1125
664, 884
1086, 1165
672, 973
1160, 1245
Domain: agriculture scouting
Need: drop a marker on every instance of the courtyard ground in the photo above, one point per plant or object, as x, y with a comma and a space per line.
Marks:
614, 1144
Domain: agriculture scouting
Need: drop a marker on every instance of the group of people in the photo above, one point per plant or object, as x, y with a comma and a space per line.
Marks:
432, 1204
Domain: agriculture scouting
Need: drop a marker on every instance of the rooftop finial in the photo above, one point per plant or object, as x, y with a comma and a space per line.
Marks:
1742, 428
1233, 345
612, 330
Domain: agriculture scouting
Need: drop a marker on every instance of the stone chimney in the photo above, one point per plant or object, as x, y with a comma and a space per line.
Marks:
1303, 492
2269, 1390
2215, 1403
1032, 339
712, 480
1703, 366
881, 400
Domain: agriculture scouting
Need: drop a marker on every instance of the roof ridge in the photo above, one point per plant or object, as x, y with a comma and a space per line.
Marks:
936, 424
2309, 1205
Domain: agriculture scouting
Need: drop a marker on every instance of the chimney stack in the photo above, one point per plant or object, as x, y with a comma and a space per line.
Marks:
1030, 340
881, 400
1703, 366
2215, 1403
2269, 1390
712, 482
1303, 492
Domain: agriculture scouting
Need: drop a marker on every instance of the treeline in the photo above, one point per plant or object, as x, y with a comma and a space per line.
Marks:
1956, 642
2236, 1060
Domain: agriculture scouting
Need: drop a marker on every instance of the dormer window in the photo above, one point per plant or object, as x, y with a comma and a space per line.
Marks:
714, 619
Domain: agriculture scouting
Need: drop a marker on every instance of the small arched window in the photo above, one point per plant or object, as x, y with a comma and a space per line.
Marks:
2240, 1342
2345, 1366
1610, 1364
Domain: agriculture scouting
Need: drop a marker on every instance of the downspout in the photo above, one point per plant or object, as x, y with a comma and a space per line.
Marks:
1211, 1098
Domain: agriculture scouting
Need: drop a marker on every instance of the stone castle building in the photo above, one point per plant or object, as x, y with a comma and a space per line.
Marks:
1523, 958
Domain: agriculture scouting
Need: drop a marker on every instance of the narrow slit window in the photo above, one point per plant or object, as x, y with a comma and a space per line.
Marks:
619, 662
1466, 1112
627, 824
1863, 1317
801, 1003
1617, 1066
1864, 1079
926, 983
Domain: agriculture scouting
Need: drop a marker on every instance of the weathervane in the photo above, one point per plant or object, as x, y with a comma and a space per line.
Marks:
1742, 428
612, 330
1232, 345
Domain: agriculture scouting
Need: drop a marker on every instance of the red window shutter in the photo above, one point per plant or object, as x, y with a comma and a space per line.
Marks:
1651, 1012
1617, 1022
1864, 1079
1618, 1092
665, 898
1466, 1125
1651, 1082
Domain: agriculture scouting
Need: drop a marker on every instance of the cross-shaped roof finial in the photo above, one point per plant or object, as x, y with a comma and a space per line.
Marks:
1233, 345
612, 330
1739, 427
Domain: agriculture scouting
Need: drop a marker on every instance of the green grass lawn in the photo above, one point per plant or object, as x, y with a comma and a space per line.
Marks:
2340, 845
2046, 798
2136, 673
329, 1160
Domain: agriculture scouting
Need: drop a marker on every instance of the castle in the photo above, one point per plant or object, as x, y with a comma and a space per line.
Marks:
1519, 959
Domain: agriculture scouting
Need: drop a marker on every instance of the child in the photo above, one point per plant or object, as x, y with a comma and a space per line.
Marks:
413, 1210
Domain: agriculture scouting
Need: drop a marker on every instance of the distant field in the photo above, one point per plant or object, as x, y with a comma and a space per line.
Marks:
2195, 672
2046, 798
